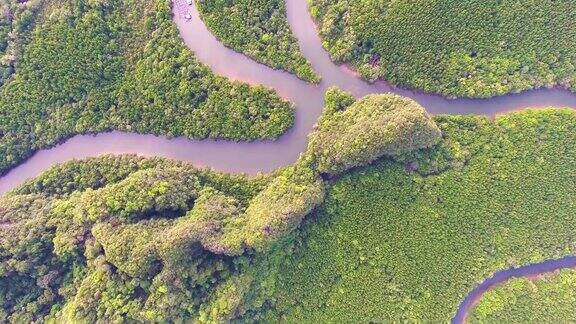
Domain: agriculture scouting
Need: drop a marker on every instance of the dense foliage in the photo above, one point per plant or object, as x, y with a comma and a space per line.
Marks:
280, 208
475, 48
545, 299
406, 241
106, 245
93, 66
146, 240
374, 126
223, 227
258, 29
15, 21
150, 240
336, 99
6, 64
126, 238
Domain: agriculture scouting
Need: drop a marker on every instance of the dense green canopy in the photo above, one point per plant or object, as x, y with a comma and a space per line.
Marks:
550, 298
374, 126
389, 216
473, 48
122, 238
15, 21
257, 28
111, 246
92, 66
404, 239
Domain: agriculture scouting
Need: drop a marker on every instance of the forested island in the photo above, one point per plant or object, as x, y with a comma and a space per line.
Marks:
258, 29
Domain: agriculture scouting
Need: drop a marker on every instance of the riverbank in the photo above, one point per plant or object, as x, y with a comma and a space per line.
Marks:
501, 277
265, 156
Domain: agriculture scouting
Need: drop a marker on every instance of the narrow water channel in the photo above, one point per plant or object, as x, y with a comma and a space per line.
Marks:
263, 156
502, 276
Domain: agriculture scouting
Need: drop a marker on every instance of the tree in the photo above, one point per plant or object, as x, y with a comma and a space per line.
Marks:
375, 126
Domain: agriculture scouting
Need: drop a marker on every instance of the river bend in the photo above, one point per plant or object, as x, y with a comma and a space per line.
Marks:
265, 156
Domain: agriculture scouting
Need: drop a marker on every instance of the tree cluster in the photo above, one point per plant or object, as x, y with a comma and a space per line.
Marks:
403, 241
15, 22
549, 298
147, 240
258, 29
91, 240
153, 240
374, 126
470, 48
94, 66
133, 239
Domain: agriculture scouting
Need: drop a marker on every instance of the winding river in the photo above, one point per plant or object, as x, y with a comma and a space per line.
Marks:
502, 276
265, 156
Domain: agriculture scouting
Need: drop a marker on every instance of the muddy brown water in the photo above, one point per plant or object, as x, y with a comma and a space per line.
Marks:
265, 156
